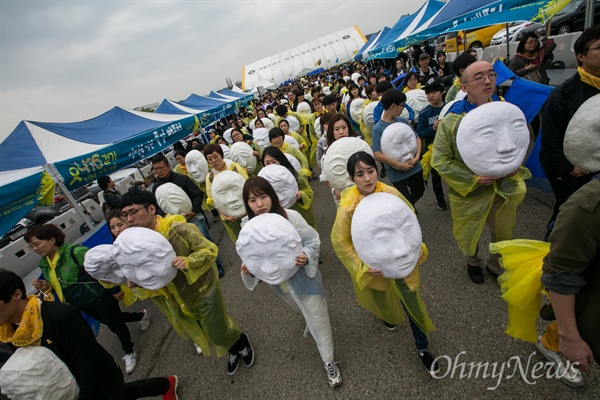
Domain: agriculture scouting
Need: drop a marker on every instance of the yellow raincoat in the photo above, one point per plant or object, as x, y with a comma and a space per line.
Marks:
291, 150
521, 284
382, 296
366, 132
233, 228
308, 121
304, 204
471, 202
193, 301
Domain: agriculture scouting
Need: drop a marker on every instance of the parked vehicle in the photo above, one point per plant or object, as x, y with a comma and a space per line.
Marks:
572, 18
440, 44
478, 38
516, 30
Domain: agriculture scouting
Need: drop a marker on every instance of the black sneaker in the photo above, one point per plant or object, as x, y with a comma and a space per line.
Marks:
233, 364
475, 273
428, 361
247, 353
441, 204
389, 327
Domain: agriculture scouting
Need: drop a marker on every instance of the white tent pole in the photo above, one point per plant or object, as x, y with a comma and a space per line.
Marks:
589, 14
72, 200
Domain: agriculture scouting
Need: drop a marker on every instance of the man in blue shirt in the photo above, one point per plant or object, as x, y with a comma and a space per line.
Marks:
426, 128
407, 177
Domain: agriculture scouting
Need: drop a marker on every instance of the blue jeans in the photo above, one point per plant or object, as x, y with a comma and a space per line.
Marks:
420, 337
200, 221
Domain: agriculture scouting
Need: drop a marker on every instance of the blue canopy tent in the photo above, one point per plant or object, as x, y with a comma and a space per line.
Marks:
464, 15
208, 110
367, 46
406, 25
79, 152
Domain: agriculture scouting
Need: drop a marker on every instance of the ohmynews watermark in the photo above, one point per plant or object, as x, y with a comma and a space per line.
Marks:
514, 367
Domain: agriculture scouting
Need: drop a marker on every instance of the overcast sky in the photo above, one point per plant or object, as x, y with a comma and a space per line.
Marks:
65, 61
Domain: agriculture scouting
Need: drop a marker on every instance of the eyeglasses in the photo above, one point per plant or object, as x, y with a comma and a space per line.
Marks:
532, 42
160, 168
131, 213
481, 79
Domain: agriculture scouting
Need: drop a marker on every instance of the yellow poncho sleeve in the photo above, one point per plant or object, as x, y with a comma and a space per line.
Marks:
305, 170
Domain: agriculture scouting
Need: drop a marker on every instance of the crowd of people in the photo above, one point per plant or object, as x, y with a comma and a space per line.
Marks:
293, 126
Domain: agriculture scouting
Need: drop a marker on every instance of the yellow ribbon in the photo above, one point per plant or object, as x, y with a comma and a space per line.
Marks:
29, 331
54, 282
588, 78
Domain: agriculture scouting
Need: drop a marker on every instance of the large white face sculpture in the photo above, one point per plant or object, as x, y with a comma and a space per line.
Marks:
227, 193
145, 257
35, 372
172, 199
336, 160
582, 144
196, 165
386, 235
493, 139
356, 109
100, 264
294, 123
460, 95
241, 153
303, 108
445, 109
283, 182
291, 141
398, 142
226, 151
294, 161
273, 120
227, 136
417, 100
317, 126
268, 245
261, 137
368, 119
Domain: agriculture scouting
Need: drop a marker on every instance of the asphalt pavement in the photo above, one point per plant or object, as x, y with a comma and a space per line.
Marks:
375, 363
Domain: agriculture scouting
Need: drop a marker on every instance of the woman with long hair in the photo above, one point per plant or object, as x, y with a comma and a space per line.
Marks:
388, 299
304, 291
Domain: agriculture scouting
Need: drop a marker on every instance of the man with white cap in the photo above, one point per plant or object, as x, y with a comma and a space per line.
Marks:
476, 200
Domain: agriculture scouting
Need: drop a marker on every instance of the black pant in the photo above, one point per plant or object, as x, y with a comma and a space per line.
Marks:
143, 388
412, 187
564, 187
107, 311
240, 344
436, 182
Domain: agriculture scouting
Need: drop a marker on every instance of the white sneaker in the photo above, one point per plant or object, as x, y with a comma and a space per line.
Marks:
333, 374
564, 371
130, 362
145, 321
198, 349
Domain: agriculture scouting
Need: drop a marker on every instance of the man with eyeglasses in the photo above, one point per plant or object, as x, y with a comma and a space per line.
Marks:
163, 172
193, 301
476, 200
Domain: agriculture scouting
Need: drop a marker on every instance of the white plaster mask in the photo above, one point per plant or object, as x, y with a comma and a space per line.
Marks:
34, 373
493, 139
283, 182
294, 161
294, 123
273, 119
356, 109
227, 135
101, 265
445, 109
368, 119
226, 151
196, 166
336, 159
417, 100
460, 95
317, 126
172, 199
582, 141
226, 193
303, 108
266, 122
145, 257
398, 142
241, 153
268, 245
261, 137
386, 235
291, 141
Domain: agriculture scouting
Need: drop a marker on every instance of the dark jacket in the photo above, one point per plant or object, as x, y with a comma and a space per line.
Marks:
69, 336
188, 186
113, 199
558, 110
